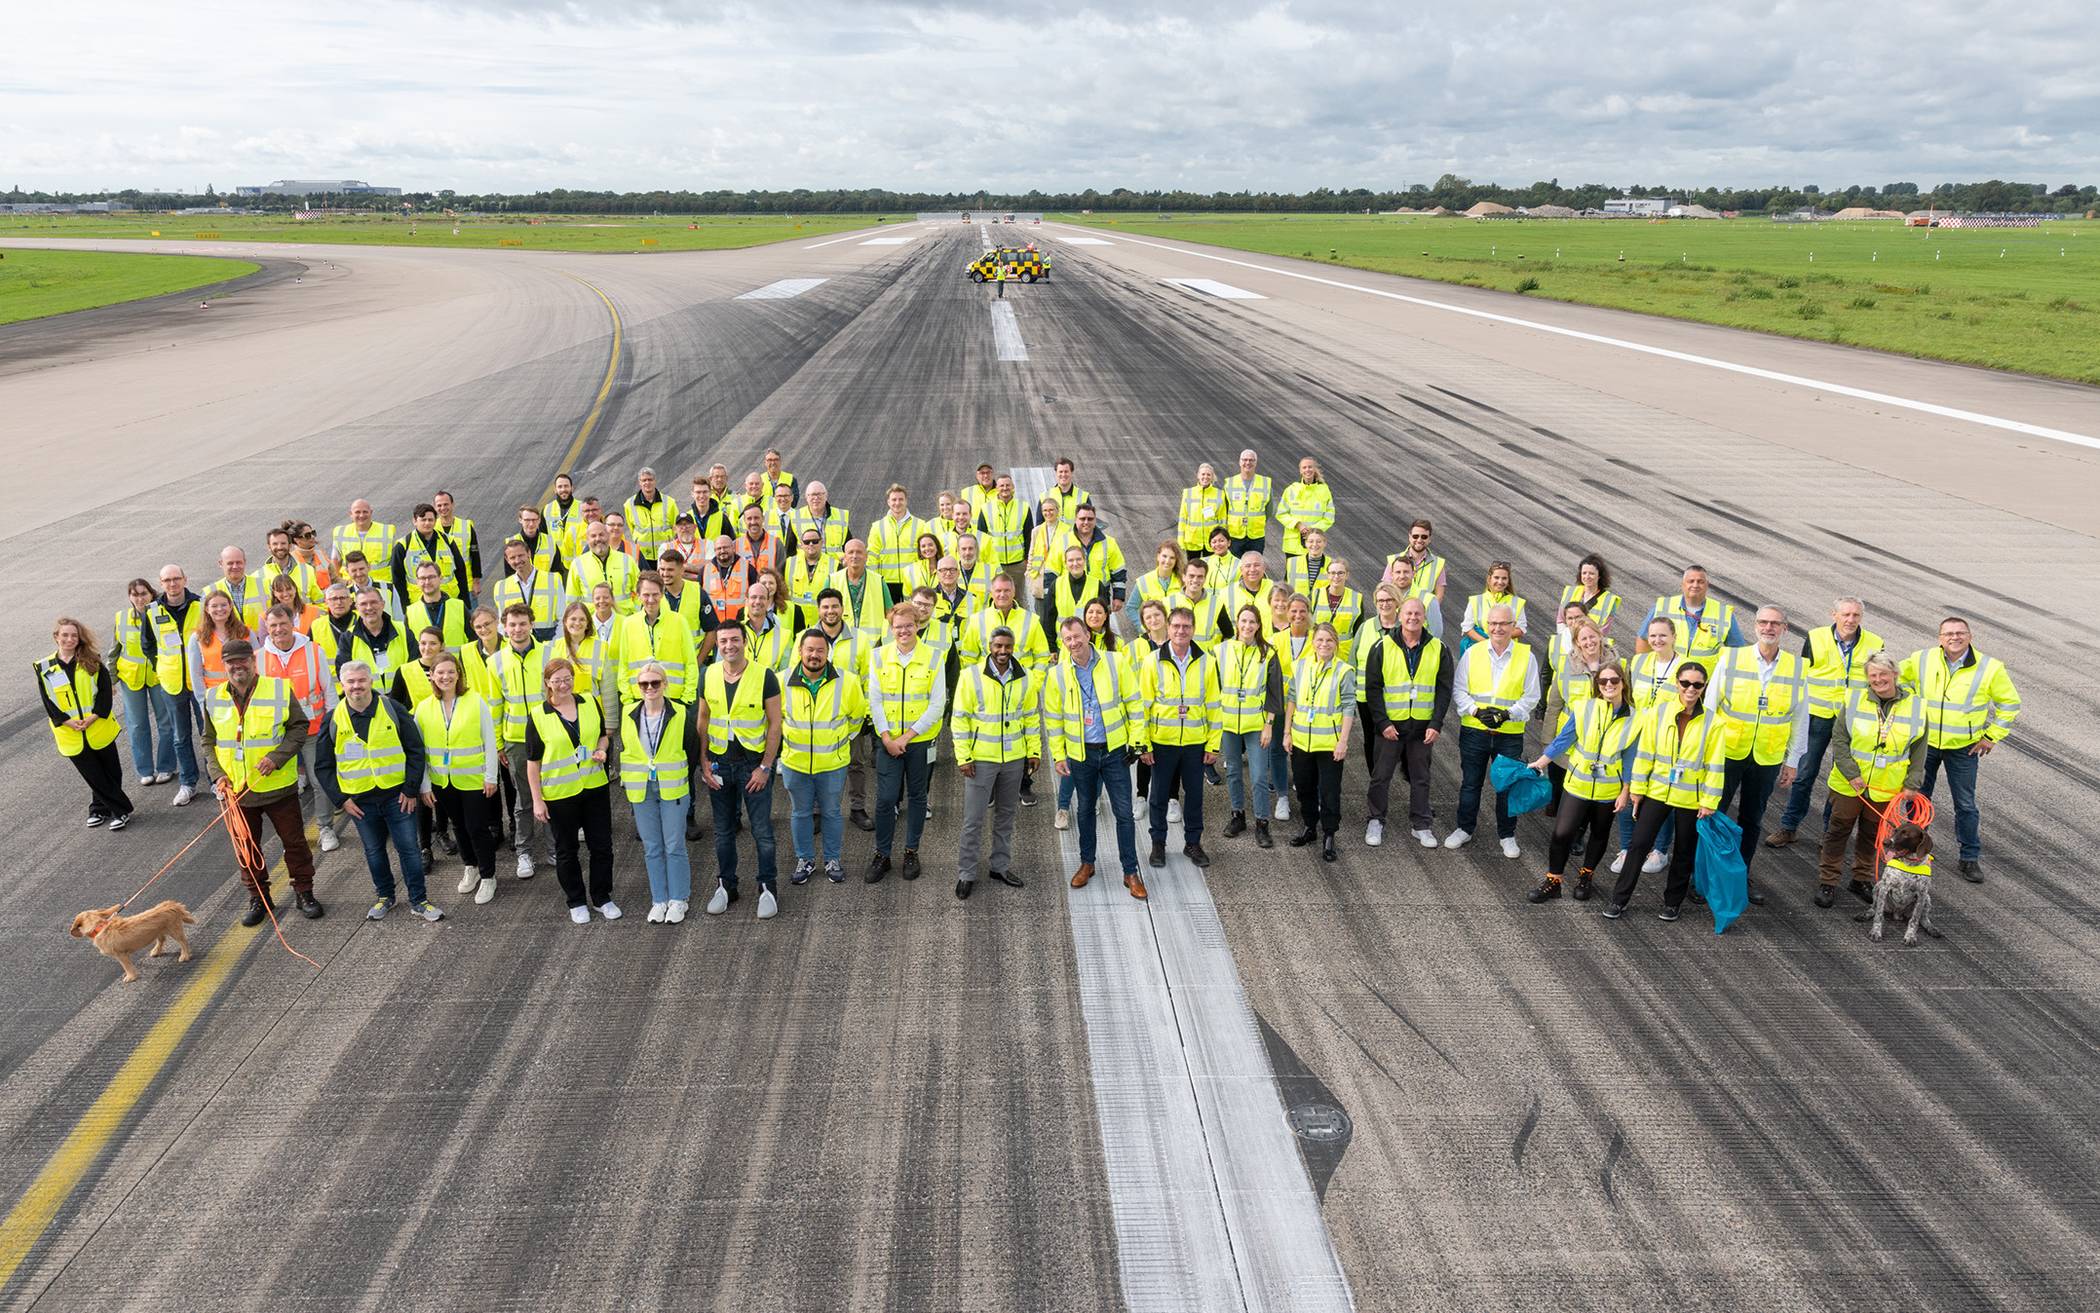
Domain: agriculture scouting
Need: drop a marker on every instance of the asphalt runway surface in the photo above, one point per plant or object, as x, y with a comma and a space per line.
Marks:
889, 1098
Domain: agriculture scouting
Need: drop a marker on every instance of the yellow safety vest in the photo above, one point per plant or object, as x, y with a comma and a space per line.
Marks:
127, 648
1300, 575
1202, 510
374, 542
905, 686
414, 552
1517, 679
1961, 706
772, 650
1031, 649
365, 765
834, 528
804, 582
453, 748
1878, 742
1304, 506
1235, 595
1834, 675
1246, 506
1679, 768
1343, 615
892, 545
1602, 607
1477, 610
1649, 678
543, 598
1410, 696
556, 522
1597, 757
303, 576
460, 533
1003, 526
415, 679
1759, 721
1428, 576
996, 721
75, 697
1181, 710
385, 661
1909, 866
617, 570
871, 619
250, 598
244, 738
171, 641
1316, 704
448, 616
1716, 622
1064, 711
667, 642
518, 682
649, 527
667, 765
566, 766
817, 729
1243, 687
742, 718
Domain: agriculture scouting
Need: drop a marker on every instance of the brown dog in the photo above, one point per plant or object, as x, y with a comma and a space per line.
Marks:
121, 936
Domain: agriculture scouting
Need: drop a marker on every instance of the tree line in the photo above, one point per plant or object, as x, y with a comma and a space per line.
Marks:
1450, 191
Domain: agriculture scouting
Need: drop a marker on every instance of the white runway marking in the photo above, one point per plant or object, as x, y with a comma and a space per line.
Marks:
1006, 332
886, 241
1686, 357
781, 290
1213, 1208
1223, 291
818, 246
1084, 241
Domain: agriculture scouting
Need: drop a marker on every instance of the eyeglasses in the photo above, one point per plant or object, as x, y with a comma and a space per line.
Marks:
1691, 683
648, 683
811, 542
1612, 681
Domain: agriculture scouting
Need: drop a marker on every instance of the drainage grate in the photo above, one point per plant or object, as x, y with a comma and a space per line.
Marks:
1321, 1123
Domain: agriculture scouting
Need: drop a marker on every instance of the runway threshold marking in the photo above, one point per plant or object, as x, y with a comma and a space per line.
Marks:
1006, 332
887, 241
590, 420
1212, 287
1082, 241
782, 290
1667, 353
1213, 1207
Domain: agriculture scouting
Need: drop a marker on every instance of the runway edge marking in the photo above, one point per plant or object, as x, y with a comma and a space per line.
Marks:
1212, 1205
1667, 353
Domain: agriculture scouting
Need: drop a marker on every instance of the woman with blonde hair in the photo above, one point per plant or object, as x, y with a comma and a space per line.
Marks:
80, 699
1046, 545
222, 623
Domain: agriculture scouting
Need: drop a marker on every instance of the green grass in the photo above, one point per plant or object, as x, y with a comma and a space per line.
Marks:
1943, 294
529, 232
34, 284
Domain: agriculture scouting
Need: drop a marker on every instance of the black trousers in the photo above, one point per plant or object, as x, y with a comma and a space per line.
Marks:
104, 772
588, 812
1409, 755
1179, 771
1756, 783
1318, 777
1575, 814
1646, 825
474, 824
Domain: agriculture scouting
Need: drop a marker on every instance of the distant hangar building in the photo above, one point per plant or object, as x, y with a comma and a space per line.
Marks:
1656, 206
317, 187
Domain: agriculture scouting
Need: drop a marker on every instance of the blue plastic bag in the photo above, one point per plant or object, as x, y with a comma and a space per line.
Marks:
1524, 788
1718, 872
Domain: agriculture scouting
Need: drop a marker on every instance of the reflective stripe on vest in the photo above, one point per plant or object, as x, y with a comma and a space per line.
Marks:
1958, 705
1597, 757
1002, 525
1758, 719
667, 766
518, 682
1316, 705
816, 726
905, 685
1517, 678
1243, 685
128, 649
303, 670
892, 545
566, 767
1247, 506
1834, 675
1177, 714
1411, 696
454, 753
1202, 510
1716, 621
743, 717
993, 727
375, 762
75, 697
1878, 740
374, 542
245, 738
1688, 761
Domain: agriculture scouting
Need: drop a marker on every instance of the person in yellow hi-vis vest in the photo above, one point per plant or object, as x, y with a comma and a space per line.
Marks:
1882, 754
998, 726
1094, 717
659, 742
368, 752
740, 716
823, 705
1494, 687
1677, 769
1761, 695
80, 699
1970, 705
253, 730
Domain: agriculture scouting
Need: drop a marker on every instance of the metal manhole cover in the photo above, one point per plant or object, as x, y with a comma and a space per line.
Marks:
1321, 1123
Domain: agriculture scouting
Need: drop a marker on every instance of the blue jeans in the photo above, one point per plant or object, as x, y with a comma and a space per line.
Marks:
1961, 781
160, 734
1279, 765
1476, 748
821, 794
384, 821
1104, 768
736, 770
1064, 792
663, 845
1819, 728
903, 777
1246, 759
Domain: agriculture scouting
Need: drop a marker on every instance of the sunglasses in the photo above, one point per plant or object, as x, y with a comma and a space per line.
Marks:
1612, 682
811, 542
648, 683
1691, 683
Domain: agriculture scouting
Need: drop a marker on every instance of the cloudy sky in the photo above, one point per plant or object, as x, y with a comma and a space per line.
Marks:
515, 95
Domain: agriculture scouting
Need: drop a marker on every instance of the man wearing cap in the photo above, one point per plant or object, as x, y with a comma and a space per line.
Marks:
253, 730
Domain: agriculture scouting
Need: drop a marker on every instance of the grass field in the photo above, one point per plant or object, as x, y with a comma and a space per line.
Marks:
2025, 299
529, 232
38, 283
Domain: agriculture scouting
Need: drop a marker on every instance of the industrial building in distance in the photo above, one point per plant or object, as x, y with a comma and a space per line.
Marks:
317, 187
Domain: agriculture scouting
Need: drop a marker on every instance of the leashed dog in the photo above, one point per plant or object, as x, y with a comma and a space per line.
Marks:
121, 936
1905, 887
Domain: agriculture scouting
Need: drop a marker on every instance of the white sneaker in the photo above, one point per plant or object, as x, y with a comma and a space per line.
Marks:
147, 781
487, 890
610, 910
524, 866
329, 841
163, 777
469, 880
1283, 808
656, 914
1618, 863
1374, 834
1173, 811
1510, 849
1427, 838
1656, 861
768, 905
674, 912
183, 796
1064, 819
719, 903
580, 915
1458, 838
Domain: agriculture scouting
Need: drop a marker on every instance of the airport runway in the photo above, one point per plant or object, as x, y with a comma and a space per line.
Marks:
887, 1098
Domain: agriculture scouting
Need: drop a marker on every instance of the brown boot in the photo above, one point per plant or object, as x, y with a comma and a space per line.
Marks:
1135, 883
1082, 875
1779, 838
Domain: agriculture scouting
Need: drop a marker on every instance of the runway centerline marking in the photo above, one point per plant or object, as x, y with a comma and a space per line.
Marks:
1006, 332
1211, 287
781, 290
1213, 1207
1667, 353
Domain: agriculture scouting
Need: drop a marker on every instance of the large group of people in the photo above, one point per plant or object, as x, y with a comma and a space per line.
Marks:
438, 699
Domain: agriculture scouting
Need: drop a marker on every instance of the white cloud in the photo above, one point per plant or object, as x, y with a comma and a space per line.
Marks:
522, 94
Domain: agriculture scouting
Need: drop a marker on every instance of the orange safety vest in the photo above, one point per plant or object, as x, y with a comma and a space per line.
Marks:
726, 591
763, 554
303, 670
212, 670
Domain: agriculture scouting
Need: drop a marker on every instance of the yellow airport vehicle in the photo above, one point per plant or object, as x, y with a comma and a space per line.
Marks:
1025, 264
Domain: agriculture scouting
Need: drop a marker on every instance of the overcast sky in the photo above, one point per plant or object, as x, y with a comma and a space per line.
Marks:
516, 95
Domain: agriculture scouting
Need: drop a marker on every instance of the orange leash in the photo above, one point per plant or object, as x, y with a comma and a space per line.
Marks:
1907, 806
248, 853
